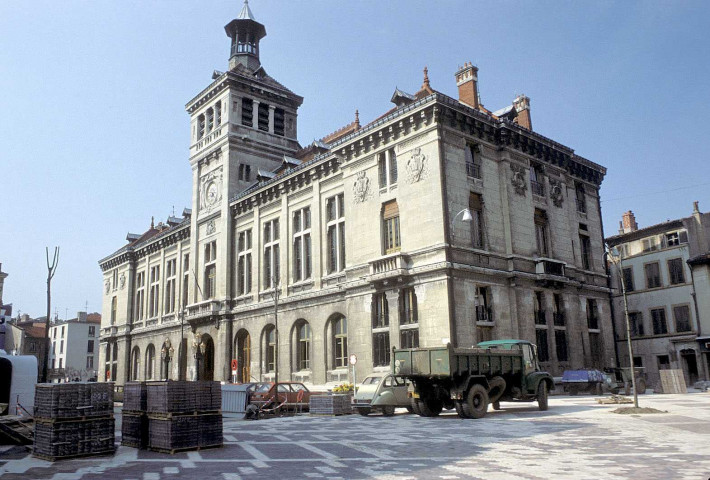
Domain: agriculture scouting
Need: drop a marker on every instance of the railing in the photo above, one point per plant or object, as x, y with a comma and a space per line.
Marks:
388, 263
208, 307
151, 321
558, 318
550, 267
537, 188
540, 317
484, 314
581, 206
111, 331
473, 170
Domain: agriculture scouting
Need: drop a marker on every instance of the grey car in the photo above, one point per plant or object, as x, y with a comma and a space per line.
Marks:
381, 392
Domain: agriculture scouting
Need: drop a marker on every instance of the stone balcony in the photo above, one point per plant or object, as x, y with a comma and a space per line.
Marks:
203, 309
392, 265
550, 270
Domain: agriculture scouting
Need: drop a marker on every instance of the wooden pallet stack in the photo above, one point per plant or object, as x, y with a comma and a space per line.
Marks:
73, 420
173, 415
337, 404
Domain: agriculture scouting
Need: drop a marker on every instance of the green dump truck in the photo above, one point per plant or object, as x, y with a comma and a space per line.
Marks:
468, 379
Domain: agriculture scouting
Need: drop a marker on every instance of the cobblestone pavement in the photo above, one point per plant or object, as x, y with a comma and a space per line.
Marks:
576, 438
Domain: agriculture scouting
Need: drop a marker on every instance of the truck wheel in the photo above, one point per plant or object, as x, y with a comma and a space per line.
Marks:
458, 404
430, 407
415, 406
388, 410
615, 391
640, 386
364, 411
410, 409
542, 395
476, 404
496, 405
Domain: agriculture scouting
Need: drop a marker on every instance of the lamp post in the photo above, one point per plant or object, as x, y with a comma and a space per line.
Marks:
466, 216
615, 255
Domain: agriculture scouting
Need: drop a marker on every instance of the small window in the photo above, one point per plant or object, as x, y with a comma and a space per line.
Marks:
473, 165
475, 205
675, 271
586, 248
628, 274
390, 223
387, 168
653, 275
536, 180
682, 318
247, 112
672, 239
649, 244
658, 316
636, 324
580, 197
592, 314
541, 235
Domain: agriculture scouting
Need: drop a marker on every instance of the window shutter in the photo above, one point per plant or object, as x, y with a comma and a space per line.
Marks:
475, 201
390, 210
683, 235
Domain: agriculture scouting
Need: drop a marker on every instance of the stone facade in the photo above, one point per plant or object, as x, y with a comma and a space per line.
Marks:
436, 223
665, 274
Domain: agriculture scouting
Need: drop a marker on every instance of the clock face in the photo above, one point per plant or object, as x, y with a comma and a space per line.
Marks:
211, 193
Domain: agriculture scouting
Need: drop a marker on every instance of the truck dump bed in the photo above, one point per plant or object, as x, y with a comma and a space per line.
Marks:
450, 362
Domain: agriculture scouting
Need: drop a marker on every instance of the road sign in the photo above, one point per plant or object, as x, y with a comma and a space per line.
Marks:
234, 365
353, 359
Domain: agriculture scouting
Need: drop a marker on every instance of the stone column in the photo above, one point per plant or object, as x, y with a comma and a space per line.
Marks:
271, 118
255, 115
393, 306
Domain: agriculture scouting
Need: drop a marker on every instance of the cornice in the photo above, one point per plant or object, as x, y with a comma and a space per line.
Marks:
131, 253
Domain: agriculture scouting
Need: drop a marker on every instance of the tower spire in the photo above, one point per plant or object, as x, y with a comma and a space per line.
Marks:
245, 33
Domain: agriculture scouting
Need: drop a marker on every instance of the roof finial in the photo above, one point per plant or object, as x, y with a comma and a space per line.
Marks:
246, 14
426, 78
152, 222
357, 119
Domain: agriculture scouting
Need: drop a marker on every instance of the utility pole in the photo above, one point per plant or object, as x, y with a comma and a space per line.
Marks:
275, 283
51, 270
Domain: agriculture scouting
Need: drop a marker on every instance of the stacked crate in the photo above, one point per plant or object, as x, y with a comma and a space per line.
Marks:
330, 405
134, 425
172, 416
73, 420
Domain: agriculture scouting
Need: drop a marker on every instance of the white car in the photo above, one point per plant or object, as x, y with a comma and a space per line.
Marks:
383, 392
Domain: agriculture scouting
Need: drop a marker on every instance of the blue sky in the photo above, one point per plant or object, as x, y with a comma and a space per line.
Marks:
95, 134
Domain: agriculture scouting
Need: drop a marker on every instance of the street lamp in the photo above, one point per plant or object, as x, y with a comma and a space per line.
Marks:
466, 216
274, 282
616, 258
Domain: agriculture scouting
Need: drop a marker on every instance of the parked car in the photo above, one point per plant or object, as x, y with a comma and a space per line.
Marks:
383, 392
293, 395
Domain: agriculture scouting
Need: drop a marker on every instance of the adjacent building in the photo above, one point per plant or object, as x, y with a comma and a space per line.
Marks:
439, 222
74, 348
25, 336
665, 274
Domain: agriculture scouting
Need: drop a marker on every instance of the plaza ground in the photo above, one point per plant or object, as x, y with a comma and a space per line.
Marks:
576, 438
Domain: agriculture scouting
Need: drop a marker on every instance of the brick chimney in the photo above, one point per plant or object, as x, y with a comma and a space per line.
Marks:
522, 106
628, 221
467, 81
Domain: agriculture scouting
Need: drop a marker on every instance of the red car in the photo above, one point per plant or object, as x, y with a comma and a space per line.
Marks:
293, 395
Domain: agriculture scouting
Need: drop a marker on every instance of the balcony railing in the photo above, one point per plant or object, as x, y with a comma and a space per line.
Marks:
537, 188
208, 307
558, 319
473, 170
389, 263
484, 314
540, 317
581, 206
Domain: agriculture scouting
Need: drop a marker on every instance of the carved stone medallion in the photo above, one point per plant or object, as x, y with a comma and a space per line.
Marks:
556, 192
417, 166
518, 180
361, 188
210, 228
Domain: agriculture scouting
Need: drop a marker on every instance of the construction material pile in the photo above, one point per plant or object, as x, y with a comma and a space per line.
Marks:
73, 420
330, 404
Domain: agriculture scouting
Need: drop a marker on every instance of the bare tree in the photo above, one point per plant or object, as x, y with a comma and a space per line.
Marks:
51, 270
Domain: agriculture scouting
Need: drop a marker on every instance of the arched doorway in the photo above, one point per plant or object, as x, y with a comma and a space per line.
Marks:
182, 360
690, 365
206, 358
243, 349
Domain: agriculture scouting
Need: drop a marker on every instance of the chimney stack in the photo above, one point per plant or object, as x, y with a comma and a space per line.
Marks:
467, 81
522, 107
629, 222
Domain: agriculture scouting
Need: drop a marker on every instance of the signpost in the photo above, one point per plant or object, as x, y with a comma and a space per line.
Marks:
235, 366
353, 361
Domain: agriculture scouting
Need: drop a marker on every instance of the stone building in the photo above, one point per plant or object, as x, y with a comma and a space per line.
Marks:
74, 347
438, 222
665, 272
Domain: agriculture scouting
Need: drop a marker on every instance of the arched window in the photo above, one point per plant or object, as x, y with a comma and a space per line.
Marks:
149, 362
270, 347
303, 345
135, 363
340, 342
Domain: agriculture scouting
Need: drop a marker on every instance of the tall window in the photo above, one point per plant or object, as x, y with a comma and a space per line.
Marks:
682, 318
543, 350
541, 232
279, 118
380, 349
636, 324
540, 314
210, 282
580, 197
484, 311
170, 275
380, 311
244, 262
407, 306
114, 279
304, 346
387, 167
653, 275
561, 345
475, 205
335, 217
135, 363
390, 225
675, 271
658, 317
90, 346
185, 279
210, 119
271, 253
218, 114
263, 112
92, 331
149, 362
302, 244
473, 164
536, 180
111, 365
140, 296
340, 342
628, 274
592, 314
270, 339
558, 316
154, 291
114, 308
586, 248
247, 112
200, 126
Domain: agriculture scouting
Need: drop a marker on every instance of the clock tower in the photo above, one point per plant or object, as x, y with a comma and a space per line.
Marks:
241, 127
